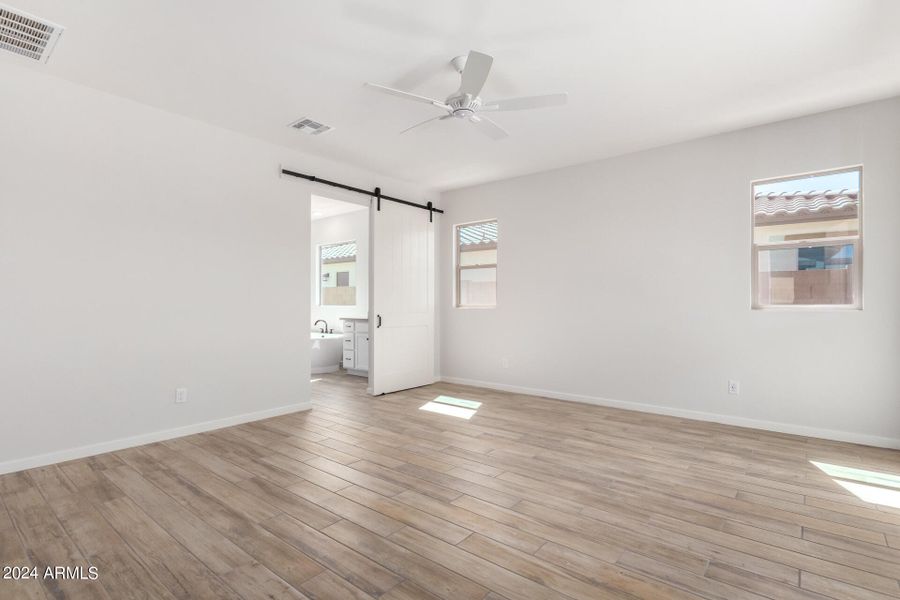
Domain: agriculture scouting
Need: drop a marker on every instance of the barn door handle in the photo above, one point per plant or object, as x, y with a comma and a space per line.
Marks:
379, 320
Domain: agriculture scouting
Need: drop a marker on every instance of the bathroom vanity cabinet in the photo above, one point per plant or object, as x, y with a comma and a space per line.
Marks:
356, 346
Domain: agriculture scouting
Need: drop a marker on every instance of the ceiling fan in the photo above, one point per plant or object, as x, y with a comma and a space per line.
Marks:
465, 103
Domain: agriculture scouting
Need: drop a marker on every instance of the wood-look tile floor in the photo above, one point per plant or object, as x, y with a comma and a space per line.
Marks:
532, 498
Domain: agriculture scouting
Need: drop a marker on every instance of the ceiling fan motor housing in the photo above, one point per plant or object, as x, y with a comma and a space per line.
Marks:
464, 105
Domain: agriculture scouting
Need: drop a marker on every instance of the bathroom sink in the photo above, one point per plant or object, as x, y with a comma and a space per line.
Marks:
318, 335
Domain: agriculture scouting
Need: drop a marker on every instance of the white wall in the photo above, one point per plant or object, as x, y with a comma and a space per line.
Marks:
347, 227
141, 251
659, 318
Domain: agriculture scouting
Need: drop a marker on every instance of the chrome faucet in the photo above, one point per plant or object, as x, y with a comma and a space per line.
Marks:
325, 330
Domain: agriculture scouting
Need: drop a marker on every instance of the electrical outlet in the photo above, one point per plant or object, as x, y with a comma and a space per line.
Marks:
734, 386
504, 362
181, 395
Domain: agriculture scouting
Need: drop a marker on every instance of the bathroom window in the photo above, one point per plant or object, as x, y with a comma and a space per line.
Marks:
807, 240
337, 274
476, 264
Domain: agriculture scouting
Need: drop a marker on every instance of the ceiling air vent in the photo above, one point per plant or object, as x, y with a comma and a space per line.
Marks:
310, 127
25, 35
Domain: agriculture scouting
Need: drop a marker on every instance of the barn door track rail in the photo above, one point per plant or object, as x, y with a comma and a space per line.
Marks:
376, 193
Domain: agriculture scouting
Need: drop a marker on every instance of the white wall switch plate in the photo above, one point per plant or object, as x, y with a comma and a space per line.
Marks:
180, 395
734, 386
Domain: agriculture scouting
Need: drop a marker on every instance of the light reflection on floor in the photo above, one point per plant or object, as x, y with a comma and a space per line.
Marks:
454, 407
869, 486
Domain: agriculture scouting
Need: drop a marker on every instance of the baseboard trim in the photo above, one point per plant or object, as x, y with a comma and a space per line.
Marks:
813, 432
40, 460
322, 370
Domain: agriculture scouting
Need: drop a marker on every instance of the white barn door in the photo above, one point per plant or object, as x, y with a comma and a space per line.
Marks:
402, 306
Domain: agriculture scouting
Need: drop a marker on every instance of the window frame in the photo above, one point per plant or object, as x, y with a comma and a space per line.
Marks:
458, 268
856, 241
320, 295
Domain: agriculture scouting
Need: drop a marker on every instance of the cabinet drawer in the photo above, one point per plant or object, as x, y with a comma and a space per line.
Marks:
349, 326
348, 341
349, 362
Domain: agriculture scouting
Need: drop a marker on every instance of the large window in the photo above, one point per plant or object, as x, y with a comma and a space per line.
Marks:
337, 274
476, 264
807, 240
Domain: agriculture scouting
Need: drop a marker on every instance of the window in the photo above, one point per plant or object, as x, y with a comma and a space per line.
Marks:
337, 274
476, 264
807, 240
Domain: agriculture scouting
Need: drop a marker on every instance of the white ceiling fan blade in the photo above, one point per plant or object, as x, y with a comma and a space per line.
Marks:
526, 102
488, 127
475, 73
407, 95
426, 122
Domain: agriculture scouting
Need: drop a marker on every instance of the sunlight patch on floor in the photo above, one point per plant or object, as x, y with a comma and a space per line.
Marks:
458, 402
315, 380
872, 493
868, 486
854, 474
454, 407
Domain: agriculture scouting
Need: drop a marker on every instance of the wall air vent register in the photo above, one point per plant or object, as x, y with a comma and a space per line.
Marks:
26, 35
310, 127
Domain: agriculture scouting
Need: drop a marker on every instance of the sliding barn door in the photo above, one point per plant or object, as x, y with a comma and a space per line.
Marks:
402, 306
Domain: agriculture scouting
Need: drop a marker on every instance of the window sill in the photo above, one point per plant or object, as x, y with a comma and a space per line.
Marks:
808, 307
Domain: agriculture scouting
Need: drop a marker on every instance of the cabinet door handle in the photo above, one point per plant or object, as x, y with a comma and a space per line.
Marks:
379, 321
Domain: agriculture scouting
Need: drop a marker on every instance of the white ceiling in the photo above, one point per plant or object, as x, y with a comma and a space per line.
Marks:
322, 207
639, 73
